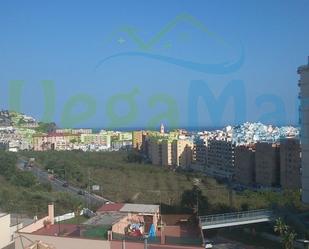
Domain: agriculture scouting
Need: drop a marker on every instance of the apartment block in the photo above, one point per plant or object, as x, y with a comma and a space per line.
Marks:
245, 164
155, 151
167, 156
74, 131
290, 163
99, 139
220, 158
200, 151
267, 164
182, 152
137, 139
303, 84
54, 141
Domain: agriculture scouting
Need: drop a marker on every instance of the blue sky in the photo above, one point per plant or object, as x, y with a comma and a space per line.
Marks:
161, 47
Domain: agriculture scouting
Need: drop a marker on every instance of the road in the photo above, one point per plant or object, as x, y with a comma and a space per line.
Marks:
57, 185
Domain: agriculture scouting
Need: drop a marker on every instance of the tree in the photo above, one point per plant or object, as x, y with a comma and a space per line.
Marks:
195, 200
286, 234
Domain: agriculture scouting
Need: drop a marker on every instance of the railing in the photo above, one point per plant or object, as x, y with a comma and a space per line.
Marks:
235, 217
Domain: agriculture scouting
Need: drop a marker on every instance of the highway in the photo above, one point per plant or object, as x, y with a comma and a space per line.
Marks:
57, 184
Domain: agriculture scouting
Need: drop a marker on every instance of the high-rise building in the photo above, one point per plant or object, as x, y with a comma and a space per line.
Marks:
200, 151
155, 151
137, 139
245, 164
167, 152
267, 164
182, 152
303, 71
220, 158
290, 162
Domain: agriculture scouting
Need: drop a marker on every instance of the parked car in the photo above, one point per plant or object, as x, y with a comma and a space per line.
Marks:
81, 192
208, 244
65, 184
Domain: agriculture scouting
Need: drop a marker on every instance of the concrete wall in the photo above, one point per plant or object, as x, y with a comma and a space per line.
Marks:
34, 226
120, 226
61, 242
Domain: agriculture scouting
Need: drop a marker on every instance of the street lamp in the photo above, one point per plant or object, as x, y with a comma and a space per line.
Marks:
146, 241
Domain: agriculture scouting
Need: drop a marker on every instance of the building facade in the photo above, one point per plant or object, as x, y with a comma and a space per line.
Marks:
200, 151
303, 71
166, 147
98, 138
182, 152
137, 139
267, 164
245, 165
6, 235
220, 158
54, 141
290, 163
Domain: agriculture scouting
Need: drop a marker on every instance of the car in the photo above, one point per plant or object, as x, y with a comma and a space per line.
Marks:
65, 184
208, 244
81, 192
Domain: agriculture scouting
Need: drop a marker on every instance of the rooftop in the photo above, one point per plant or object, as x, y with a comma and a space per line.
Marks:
105, 219
139, 208
56, 229
112, 207
304, 67
2, 214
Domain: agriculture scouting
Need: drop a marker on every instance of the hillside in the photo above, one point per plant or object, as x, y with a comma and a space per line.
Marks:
144, 183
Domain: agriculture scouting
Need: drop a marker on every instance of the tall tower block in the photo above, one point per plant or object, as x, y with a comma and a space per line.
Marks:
303, 84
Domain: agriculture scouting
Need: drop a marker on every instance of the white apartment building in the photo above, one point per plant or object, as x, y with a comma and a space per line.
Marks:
6, 233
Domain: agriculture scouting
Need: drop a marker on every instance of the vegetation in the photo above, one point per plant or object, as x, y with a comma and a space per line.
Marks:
122, 181
21, 193
45, 127
286, 234
248, 235
124, 178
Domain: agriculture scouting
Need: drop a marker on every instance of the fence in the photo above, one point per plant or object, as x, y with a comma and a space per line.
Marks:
235, 217
64, 217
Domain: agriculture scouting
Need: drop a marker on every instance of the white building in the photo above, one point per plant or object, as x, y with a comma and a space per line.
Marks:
6, 234
303, 71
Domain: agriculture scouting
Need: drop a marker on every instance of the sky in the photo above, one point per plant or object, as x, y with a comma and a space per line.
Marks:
122, 64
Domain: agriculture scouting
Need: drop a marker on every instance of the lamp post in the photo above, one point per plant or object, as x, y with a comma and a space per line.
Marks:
146, 241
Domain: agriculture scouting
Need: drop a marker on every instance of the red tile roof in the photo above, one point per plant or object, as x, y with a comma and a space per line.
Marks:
114, 207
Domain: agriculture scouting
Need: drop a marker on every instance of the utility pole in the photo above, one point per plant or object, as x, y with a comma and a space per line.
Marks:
145, 242
123, 244
88, 204
197, 202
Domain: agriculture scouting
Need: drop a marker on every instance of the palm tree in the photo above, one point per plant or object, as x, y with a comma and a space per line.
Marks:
286, 234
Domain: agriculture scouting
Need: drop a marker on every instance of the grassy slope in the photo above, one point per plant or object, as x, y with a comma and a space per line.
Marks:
123, 181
